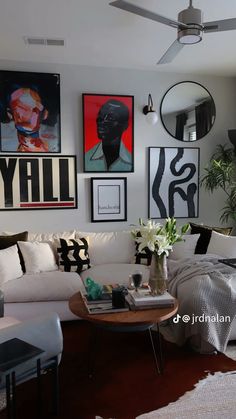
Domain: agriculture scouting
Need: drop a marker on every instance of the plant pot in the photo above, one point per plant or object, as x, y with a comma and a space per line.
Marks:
158, 274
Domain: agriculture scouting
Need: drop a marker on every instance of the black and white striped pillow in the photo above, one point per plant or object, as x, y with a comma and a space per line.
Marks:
73, 255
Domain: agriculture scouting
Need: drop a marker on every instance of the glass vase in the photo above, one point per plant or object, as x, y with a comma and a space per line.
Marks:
158, 274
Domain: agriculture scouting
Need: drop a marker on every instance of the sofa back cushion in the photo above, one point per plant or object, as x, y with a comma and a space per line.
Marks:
46, 237
109, 247
10, 267
222, 245
185, 248
38, 257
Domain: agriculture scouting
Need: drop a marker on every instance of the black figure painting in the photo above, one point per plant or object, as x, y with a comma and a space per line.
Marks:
108, 122
173, 182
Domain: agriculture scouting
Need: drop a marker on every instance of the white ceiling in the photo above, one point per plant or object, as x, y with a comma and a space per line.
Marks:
97, 34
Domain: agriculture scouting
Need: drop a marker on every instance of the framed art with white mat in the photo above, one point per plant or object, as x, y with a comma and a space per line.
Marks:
108, 199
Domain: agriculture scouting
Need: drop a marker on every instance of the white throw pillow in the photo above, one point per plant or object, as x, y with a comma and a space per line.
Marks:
38, 257
186, 248
222, 245
10, 267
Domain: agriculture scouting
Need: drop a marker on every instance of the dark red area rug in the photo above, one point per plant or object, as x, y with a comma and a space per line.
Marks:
125, 383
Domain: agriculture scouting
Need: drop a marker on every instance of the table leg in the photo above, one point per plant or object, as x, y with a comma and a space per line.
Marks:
154, 351
8, 395
159, 345
39, 388
13, 396
92, 350
55, 386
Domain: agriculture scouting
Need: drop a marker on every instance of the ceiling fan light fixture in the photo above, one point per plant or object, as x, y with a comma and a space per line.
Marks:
189, 36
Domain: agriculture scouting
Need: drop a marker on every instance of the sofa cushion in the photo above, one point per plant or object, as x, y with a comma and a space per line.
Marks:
52, 239
185, 248
115, 273
110, 247
10, 267
222, 245
38, 257
205, 235
73, 255
45, 237
44, 286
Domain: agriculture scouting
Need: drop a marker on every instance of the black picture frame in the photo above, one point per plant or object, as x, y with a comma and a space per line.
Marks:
108, 199
29, 182
30, 117
120, 107
173, 182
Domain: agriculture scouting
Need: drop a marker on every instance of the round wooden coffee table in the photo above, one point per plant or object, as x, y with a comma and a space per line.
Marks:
127, 321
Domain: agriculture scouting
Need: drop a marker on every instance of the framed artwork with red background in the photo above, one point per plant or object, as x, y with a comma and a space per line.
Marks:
108, 130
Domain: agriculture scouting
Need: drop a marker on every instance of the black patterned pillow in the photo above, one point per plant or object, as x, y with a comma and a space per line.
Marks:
144, 257
73, 255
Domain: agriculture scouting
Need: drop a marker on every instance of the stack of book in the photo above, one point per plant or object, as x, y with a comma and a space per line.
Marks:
142, 299
103, 305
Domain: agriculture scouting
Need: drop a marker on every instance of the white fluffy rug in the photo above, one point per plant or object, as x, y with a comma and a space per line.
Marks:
212, 398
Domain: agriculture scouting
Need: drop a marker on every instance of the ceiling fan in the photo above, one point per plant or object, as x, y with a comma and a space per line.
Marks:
189, 26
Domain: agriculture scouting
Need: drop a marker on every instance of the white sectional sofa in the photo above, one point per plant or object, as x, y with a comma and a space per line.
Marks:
112, 256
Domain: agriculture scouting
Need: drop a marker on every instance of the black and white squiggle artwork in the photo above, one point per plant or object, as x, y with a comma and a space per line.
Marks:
173, 182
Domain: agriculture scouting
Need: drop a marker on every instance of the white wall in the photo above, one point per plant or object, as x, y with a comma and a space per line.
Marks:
76, 80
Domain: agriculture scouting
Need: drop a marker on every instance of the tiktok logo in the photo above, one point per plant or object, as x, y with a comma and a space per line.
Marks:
185, 318
177, 318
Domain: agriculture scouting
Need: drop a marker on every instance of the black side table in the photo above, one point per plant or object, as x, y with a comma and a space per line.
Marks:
13, 353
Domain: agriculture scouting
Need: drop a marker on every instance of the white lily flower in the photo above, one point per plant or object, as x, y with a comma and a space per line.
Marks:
157, 238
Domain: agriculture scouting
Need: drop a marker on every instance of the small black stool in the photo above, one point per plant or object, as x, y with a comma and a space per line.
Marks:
14, 353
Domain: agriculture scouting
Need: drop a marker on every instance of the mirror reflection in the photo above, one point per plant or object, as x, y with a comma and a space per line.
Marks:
188, 111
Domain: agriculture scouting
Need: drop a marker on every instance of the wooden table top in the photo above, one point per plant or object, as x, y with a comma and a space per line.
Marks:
125, 318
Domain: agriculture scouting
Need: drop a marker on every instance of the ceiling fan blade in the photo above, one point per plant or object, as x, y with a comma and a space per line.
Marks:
220, 25
129, 7
171, 53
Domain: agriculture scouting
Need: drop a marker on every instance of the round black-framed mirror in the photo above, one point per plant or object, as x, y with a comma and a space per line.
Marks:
187, 111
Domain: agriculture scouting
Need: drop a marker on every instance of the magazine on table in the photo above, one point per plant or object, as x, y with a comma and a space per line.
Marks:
101, 306
106, 296
143, 298
134, 307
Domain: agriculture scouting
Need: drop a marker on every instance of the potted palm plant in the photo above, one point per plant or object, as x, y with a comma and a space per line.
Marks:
221, 174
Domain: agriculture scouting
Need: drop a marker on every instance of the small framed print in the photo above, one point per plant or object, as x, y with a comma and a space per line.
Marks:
108, 129
108, 199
